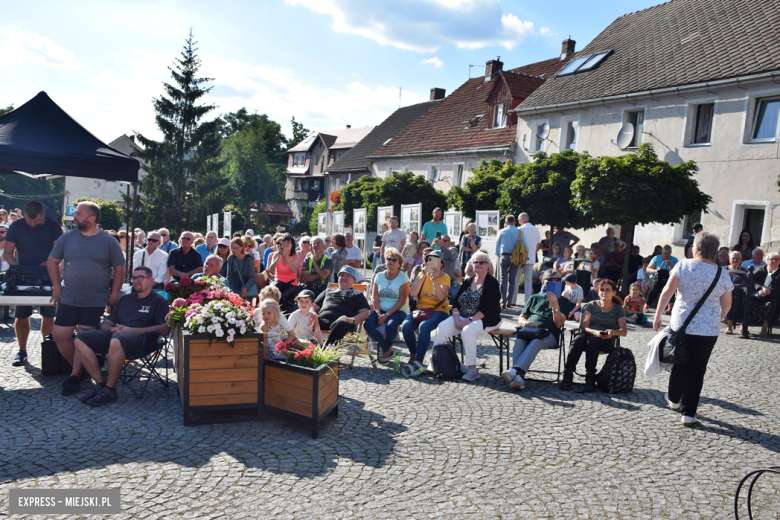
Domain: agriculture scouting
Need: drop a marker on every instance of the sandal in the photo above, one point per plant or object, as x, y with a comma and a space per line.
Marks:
729, 330
386, 360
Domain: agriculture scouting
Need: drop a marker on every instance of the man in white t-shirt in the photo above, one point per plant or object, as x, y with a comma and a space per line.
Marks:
394, 238
354, 256
532, 240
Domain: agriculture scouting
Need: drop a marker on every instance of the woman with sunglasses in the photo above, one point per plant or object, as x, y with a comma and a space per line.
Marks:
389, 303
602, 320
283, 267
223, 250
476, 310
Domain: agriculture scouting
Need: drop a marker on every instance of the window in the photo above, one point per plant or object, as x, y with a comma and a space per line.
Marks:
499, 116
297, 184
572, 129
593, 61
433, 174
572, 67
316, 160
457, 175
765, 120
315, 185
687, 226
701, 131
299, 159
539, 140
305, 185
389, 172
584, 63
637, 119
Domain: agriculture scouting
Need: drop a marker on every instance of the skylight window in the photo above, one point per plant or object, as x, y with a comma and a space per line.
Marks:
572, 67
593, 61
584, 63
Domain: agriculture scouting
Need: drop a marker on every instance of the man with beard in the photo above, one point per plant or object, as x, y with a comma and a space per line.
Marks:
93, 275
31, 239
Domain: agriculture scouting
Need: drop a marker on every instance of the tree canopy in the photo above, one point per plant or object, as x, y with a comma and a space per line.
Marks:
299, 133
110, 215
483, 189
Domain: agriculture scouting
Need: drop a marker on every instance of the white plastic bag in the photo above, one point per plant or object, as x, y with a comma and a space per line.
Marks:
653, 365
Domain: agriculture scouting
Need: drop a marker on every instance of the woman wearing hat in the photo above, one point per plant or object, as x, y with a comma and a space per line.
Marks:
431, 289
389, 303
223, 250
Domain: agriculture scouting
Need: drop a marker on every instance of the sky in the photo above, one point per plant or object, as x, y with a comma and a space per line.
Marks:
328, 63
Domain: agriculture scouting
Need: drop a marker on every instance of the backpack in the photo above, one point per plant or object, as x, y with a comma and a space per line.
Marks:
618, 373
520, 253
445, 362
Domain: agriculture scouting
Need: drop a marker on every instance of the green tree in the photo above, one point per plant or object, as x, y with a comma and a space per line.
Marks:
299, 133
274, 141
17, 190
110, 215
188, 148
399, 188
636, 189
7, 109
483, 189
321, 207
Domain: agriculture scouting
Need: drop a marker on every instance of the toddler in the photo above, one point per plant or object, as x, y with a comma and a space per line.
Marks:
272, 326
411, 249
634, 305
575, 295
269, 293
304, 321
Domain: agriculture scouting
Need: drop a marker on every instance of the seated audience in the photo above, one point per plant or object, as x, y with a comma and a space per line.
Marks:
184, 261
658, 269
339, 253
542, 311
476, 310
284, 269
390, 303
154, 258
273, 327
634, 305
574, 294
602, 320
211, 267
737, 310
431, 290
241, 270
354, 256
565, 263
549, 261
317, 267
121, 335
304, 320
723, 257
469, 244
763, 304
341, 308
613, 262
756, 261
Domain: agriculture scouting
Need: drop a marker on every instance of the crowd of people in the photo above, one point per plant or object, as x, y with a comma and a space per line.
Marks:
427, 287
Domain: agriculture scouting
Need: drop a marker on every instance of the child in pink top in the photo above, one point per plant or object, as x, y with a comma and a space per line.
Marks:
634, 304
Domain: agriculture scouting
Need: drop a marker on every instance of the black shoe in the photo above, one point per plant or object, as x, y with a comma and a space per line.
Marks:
84, 375
71, 386
566, 382
105, 396
590, 385
20, 359
90, 394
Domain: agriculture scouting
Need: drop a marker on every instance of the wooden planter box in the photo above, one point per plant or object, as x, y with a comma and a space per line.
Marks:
302, 393
218, 377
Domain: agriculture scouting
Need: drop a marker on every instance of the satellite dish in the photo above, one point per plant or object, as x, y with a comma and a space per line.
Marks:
625, 136
544, 130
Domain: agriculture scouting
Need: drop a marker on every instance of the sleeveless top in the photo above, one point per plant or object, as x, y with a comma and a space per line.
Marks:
284, 273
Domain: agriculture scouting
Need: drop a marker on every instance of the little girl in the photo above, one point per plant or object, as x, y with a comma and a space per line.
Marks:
270, 293
271, 324
410, 252
634, 304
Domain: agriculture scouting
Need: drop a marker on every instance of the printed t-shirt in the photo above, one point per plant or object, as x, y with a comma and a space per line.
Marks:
390, 291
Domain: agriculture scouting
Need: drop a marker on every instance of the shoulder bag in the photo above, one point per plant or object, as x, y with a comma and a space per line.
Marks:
672, 348
423, 314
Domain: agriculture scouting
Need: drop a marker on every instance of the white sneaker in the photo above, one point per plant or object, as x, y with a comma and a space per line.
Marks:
471, 375
509, 375
672, 406
518, 383
689, 421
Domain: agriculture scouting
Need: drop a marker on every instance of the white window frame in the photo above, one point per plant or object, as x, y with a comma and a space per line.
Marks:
689, 122
749, 114
738, 207
302, 156
627, 119
388, 172
535, 125
564, 133
754, 120
455, 167
429, 173
504, 115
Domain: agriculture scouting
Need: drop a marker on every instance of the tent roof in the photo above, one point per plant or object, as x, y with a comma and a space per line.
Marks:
42, 140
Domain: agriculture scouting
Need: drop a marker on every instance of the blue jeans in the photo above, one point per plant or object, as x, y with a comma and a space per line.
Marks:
418, 347
391, 328
508, 277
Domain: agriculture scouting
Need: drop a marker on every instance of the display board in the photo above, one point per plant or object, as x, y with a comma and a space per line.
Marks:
208, 223
487, 224
338, 222
454, 222
383, 214
322, 223
410, 218
359, 223
227, 225
215, 223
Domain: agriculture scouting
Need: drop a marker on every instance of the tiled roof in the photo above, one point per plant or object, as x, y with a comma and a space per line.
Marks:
543, 69
677, 43
273, 207
334, 138
357, 158
520, 85
446, 126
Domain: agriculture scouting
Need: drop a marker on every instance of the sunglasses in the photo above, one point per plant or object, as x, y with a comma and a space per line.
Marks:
221, 245
186, 238
305, 242
154, 240
391, 260
480, 262
163, 234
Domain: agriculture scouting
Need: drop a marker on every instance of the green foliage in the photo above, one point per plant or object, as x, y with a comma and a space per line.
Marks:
543, 190
482, 190
399, 188
6, 109
321, 207
299, 133
304, 223
19, 190
110, 215
636, 189
274, 143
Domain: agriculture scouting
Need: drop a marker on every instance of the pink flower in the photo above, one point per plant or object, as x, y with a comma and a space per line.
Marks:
185, 281
179, 302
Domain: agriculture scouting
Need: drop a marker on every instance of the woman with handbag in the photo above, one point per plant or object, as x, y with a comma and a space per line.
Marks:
431, 290
693, 279
389, 303
241, 270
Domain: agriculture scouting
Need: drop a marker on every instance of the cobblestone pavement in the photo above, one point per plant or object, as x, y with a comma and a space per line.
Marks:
411, 448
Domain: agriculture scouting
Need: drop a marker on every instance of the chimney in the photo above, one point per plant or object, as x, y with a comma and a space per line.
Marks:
349, 126
132, 138
437, 93
491, 67
567, 48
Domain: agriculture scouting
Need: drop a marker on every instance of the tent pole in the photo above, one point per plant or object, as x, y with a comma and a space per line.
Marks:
134, 211
130, 240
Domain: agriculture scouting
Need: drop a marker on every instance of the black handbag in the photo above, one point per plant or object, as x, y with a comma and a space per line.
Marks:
672, 348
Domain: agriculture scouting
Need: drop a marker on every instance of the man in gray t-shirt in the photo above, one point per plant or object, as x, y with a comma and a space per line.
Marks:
394, 238
94, 269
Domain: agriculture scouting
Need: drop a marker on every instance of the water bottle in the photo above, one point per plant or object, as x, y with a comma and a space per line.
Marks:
397, 364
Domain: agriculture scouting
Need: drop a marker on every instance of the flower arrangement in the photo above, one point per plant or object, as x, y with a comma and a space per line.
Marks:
222, 319
186, 287
335, 197
310, 357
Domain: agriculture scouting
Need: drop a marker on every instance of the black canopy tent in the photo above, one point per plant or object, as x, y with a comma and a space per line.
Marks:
40, 140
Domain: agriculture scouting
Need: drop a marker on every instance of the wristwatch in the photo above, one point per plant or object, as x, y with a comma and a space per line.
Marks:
557, 310
471, 319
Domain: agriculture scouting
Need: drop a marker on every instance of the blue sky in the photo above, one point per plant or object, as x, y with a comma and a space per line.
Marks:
329, 63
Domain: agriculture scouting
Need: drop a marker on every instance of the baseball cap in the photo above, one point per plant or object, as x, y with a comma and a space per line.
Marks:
348, 269
306, 293
250, 232
437, 254
223, 242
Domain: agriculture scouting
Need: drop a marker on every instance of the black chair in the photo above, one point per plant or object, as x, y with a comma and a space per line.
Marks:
153, 349
560, 347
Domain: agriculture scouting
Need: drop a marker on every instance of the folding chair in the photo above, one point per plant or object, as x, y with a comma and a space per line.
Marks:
154, 347
573, 332
560, 347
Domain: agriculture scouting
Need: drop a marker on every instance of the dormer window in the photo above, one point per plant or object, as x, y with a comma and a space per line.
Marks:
499, 117
299, 159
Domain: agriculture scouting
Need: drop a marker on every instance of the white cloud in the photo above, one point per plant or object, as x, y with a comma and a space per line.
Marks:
546, 31
425, 25
19, 47
436, 62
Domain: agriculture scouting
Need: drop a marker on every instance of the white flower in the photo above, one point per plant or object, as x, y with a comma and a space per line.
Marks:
201, 330
219, 333
210, 328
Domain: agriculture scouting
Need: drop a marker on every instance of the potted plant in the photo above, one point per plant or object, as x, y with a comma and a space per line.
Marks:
305, 384
217, 355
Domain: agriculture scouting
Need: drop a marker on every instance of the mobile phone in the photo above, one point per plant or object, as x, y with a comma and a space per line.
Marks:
603, 333
438, 234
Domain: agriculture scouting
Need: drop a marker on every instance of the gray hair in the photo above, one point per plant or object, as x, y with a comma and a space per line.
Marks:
707, 245
758, 249
772, 255
219, 258
550, 272
667, 247
735, 253
212, 233
479, 254
163, 229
